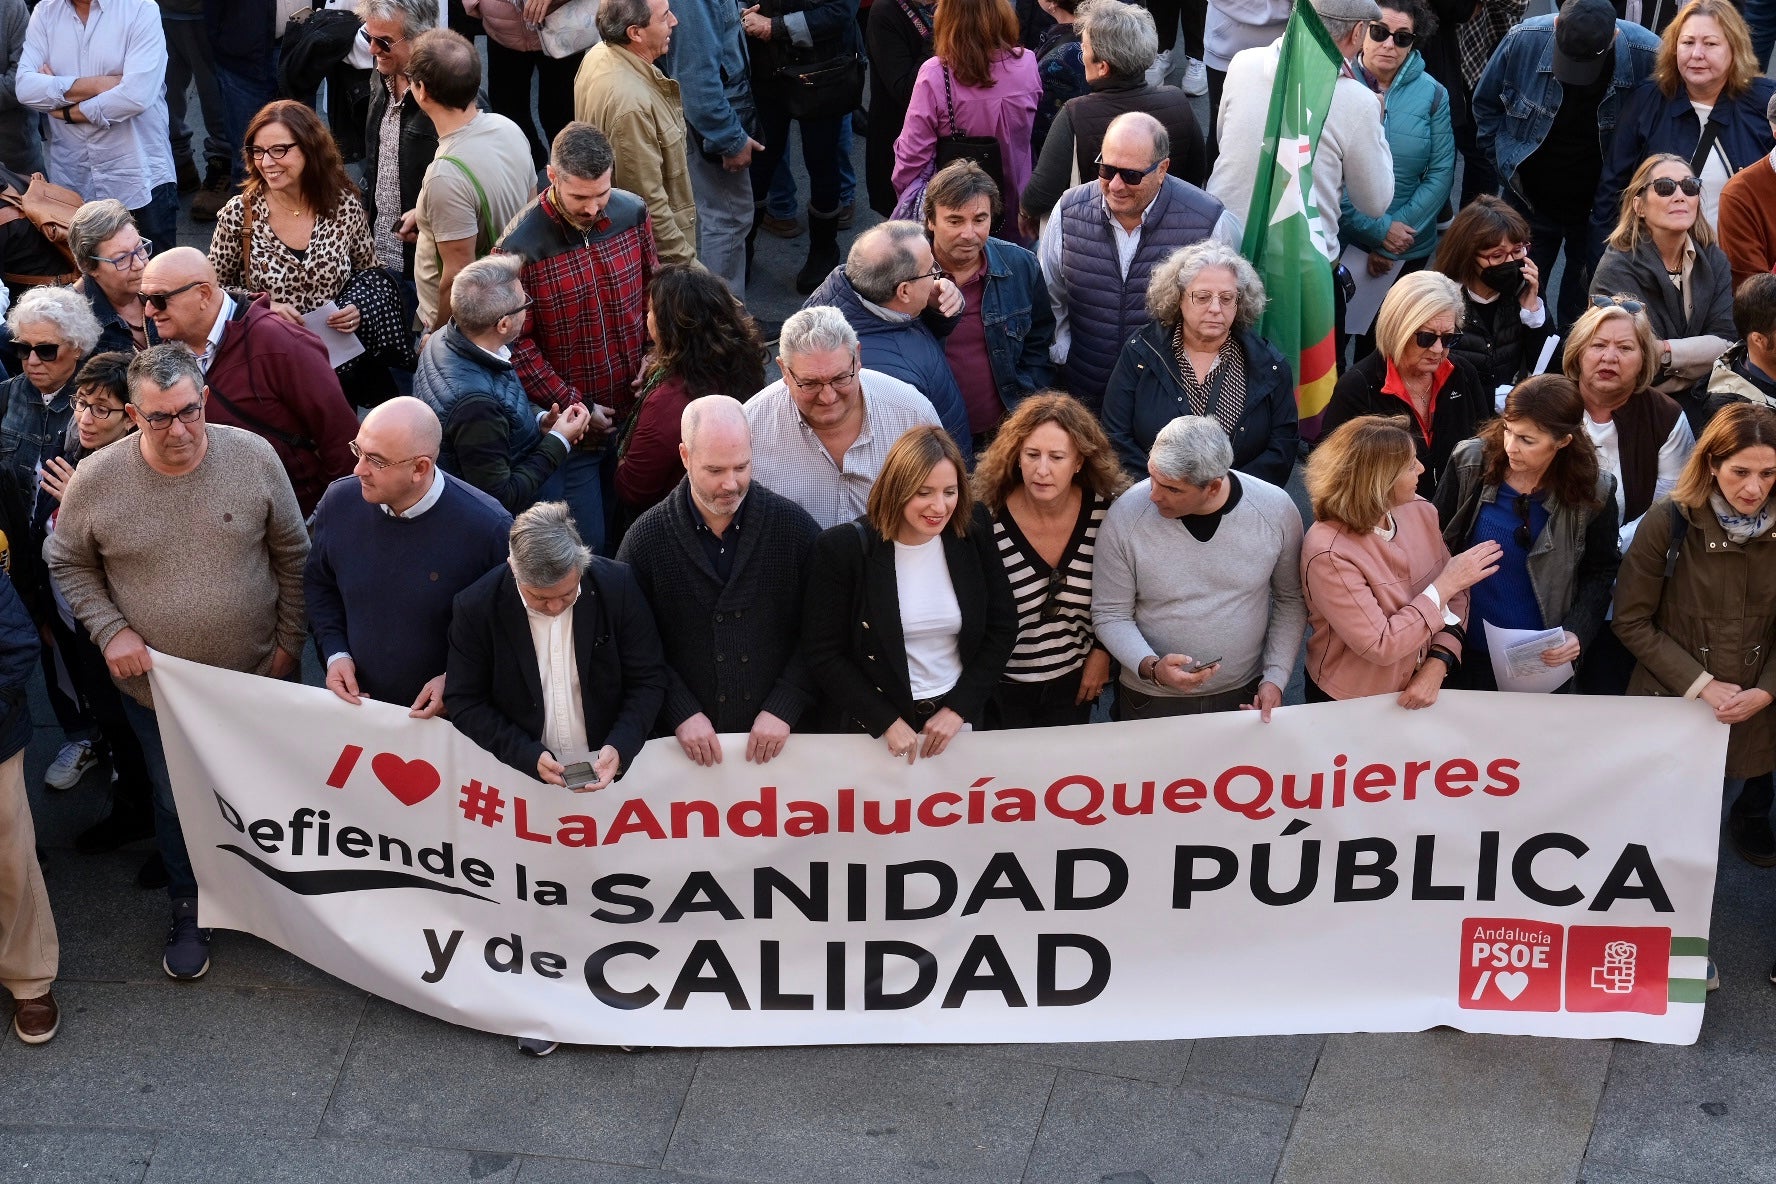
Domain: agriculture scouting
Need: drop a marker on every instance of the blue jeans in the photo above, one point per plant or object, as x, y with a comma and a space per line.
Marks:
1761, 16
242, 96
783, 202
168, 834
159, 219
581, 482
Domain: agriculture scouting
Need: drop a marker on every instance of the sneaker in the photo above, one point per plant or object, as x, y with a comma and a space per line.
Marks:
186, 175
782, 227
217, 189
1196, 78
532, 1047
1161, 69
1752, 838
1714, 976
187, 954
37, 1020
71, 764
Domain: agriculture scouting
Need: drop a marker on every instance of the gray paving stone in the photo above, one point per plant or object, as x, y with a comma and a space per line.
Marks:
206, 1159
1276, 1068
1158, 1061
1446, 1106
1594, 1172
541, 1170
73, 1157
180, 1056
1128, 1132
860, 1114
415, 1080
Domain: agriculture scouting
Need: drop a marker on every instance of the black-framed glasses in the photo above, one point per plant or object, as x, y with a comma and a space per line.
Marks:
160, 421
1051, 603
1626, 303
127, 259
813, 386
529, 303
46, 350
934, 272
1666, 186
379, 44
99, 411
1401, 37
276, 151
1425, 339
1109, 172
1522, 537
158, 300
377, 462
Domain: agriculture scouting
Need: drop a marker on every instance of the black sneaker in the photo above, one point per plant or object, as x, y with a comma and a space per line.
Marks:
1752, 838
530, 1046
187, 954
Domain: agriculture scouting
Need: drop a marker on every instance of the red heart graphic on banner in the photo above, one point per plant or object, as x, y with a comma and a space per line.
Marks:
411, 782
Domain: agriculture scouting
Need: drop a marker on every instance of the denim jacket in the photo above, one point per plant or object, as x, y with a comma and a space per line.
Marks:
1018, 322
1517, 96
718, 104
31, 430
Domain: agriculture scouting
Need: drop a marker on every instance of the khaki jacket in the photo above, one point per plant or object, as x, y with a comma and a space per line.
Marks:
638, 107
1716, 615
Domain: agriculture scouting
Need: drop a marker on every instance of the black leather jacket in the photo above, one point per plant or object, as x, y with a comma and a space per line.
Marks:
419, 143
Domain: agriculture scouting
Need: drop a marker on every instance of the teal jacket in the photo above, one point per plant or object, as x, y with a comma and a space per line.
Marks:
1418, 131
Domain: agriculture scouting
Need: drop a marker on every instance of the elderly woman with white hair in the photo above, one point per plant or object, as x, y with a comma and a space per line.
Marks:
1413, 373
1199, 356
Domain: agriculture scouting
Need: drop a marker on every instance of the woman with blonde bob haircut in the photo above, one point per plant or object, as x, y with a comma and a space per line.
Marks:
1662, 253
1696, 603
1414, 374
1706, 80
910, 619
1385, 601
1047, 481
1200, 356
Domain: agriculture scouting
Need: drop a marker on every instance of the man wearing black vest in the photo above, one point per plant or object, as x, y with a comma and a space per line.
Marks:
1104, 241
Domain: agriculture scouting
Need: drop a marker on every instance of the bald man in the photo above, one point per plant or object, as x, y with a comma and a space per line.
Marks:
265, 374
393, 545
722, 562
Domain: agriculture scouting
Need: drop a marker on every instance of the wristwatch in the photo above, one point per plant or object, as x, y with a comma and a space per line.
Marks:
1145, 671
1665, 355
63, 111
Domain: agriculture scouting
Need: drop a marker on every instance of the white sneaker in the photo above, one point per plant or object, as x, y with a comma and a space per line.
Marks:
1161, 68
1196, 78
70, 764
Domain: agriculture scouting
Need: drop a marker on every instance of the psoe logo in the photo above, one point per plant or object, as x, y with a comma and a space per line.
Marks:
1618, 968
1510, 964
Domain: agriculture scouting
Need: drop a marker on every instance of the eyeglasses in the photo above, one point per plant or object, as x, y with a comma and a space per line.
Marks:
1625, 303
1522, 537
1109, 172
1218, 299
376, 462
127, 260
1666, 186
379, 44
1402, 37
160, 421
1503, 253
935, 273
158, 300
275, 151
529, 304
813, 386
1425, 339
99, 411
47, 350
1051, 603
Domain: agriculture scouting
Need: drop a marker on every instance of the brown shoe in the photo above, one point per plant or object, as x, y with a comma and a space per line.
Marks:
781, 227
218, 188
36, 1020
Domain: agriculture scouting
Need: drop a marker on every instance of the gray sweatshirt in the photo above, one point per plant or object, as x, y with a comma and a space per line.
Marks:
1156, 590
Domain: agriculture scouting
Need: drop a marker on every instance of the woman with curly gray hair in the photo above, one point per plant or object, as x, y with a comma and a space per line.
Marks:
1200, 356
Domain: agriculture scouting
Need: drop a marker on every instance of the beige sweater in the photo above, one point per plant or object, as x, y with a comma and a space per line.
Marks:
205, 566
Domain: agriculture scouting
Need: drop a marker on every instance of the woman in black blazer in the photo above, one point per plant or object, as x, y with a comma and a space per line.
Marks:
910, 617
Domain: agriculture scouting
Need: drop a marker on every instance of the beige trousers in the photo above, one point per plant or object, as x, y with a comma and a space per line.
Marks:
28, 947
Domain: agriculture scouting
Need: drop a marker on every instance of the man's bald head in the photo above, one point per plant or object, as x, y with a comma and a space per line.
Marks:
397, 450
406, 425
713, 419
182, 296
1140, 132
886, 256
715, 445
178, 265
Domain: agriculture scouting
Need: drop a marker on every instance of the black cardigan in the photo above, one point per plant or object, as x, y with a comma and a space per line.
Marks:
1462, 406
732, 650
853, 641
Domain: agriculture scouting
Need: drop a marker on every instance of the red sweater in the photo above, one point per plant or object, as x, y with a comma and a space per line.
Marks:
1748, 220
649, 467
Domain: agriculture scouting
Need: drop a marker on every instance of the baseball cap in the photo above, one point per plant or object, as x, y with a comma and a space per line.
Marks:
1348, 10
1583, 34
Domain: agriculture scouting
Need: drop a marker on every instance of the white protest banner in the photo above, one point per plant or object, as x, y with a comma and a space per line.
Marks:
1498, 863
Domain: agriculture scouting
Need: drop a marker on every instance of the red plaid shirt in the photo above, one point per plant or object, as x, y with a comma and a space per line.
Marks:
587, 333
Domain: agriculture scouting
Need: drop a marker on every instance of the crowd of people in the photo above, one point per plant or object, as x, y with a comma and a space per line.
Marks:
506, 445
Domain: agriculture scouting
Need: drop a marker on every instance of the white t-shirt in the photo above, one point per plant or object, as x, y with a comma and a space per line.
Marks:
930, 618
1673, 454
1716, 172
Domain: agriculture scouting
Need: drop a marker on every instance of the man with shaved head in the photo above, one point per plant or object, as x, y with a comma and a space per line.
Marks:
393, 545
265, 374
721, 561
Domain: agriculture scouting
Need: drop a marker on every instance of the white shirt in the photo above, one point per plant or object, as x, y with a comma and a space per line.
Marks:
426, 501
1716, 172
1672, 455
208, 354
564, 715
123, 150
930, 618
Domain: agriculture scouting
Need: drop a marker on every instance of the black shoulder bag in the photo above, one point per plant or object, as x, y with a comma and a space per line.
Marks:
982, 150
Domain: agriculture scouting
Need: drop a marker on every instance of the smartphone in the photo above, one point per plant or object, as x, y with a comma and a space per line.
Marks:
1189, 668
579, 774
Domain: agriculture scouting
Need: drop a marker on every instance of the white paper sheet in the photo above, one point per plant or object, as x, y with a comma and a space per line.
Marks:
341, 347
1517, 659
1360, 309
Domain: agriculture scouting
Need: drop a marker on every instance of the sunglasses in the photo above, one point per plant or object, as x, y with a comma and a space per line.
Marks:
1109, 172
1624, 303
380, 44
158, 300
1426, 339
1521, 536
1051, 603
1403, 38
46, 350
1666, 186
